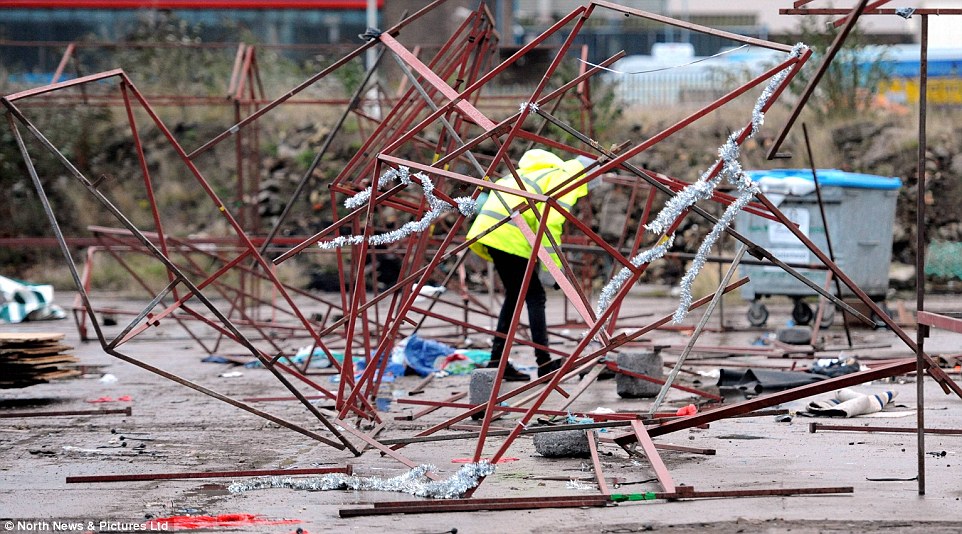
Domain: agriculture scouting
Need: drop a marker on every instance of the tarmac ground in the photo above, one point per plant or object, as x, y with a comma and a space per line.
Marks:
174, 429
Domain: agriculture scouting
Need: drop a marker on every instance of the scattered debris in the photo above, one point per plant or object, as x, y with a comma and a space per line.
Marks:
892, 479
833, 367
108, 379
754, 381
25, 301
850, 403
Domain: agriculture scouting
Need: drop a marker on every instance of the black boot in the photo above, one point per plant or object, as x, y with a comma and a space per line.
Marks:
511, 374
548, 367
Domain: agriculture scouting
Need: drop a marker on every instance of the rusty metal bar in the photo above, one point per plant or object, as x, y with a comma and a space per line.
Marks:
822, 427
692, 27
596, 463
868, 9
776, 492
886, 11
525, 503
61, 85
828, 234
512, 330
471, 505
921, 330
65, 413
68, 53
614, 367
515, 409
417, 415
208, 474
940, 321
664, 477
285, 399
682, 448
526, 431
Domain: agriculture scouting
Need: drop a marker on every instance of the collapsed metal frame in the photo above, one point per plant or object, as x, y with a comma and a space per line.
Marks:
461, 129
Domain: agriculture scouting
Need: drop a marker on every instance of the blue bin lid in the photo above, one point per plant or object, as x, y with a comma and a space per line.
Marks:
832, 177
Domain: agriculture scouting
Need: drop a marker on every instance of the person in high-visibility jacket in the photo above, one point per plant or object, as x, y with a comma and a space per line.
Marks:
509, 250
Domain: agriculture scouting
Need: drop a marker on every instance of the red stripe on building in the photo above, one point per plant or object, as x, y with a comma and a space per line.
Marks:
186, 4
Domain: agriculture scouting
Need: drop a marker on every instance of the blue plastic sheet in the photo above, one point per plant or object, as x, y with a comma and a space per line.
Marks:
421, 354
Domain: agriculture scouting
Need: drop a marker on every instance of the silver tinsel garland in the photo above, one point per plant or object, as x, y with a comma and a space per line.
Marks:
684, 301
530, 105
465, 205
702, 189
732, 172
650, 255
413, 482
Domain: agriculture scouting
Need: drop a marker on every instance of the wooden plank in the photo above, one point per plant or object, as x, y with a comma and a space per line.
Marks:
29, 337
39, 350
57, 375
58, 358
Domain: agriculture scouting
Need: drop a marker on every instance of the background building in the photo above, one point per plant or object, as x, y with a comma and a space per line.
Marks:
275, 22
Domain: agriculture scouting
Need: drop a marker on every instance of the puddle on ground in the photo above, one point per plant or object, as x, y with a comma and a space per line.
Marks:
208, 491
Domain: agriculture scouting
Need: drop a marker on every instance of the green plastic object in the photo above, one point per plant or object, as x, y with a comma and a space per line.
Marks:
622, 497
944, 259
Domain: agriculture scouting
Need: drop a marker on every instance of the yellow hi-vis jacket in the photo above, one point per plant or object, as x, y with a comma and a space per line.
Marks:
541, 172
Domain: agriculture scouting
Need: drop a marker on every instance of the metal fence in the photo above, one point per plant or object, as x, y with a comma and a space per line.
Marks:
651, 89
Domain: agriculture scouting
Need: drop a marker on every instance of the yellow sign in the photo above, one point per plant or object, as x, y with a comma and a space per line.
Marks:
941, 91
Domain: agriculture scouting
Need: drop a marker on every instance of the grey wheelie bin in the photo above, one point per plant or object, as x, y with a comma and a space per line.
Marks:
860, 212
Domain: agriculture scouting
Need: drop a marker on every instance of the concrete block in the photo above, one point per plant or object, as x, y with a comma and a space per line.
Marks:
563, 444
482, 382
479, 390
647, 363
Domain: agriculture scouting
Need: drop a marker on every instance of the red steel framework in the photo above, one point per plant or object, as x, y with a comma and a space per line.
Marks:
435, 134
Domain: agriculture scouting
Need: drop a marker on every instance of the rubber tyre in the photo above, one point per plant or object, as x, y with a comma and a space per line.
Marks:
802, 313
757, 313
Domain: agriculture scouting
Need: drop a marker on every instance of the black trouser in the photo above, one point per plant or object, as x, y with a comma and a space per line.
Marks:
511, 271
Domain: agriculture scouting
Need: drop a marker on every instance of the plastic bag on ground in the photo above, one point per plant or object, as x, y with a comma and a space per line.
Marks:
421, 354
